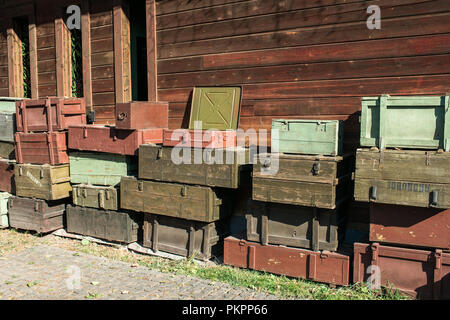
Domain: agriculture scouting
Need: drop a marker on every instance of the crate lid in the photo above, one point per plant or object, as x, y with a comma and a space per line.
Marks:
216, 107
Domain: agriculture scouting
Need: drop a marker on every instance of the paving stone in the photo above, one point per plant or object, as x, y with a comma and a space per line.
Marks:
47, 272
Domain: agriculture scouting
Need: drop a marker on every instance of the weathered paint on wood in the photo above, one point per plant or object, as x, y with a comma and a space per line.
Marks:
196, 203
200, 138
104, 169
142, 115
117, 226
4, 222
7, 126
35, 214
111, 140
403, 177
226, 168
420, 273
215, 108
324, 137
293, 226
410, 226
314, 181
8, 104
183, 237
42, 148
100, 197
325, 266
416, 122
7, 183
51, 114
42, 181
7, 150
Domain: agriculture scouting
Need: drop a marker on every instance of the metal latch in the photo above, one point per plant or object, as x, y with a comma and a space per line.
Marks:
316, 168
159, 154
183, 191
434, 198
121, 116
140, 186
373, 193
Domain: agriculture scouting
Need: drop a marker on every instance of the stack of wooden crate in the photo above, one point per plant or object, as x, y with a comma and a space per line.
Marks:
404, 172
187, 186
42, 170
299, 192
7, 155
99, 157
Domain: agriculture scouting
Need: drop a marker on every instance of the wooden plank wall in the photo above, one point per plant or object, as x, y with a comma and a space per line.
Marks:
299, 58
4, 83
102, 60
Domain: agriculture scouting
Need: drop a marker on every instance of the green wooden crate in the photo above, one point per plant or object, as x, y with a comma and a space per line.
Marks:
4, 196
415, 122
216, 107
105, 169
299, 136
8, 104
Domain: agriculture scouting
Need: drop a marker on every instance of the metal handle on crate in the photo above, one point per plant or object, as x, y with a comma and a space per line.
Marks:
121, 116
373, 193
316, 169
160, 153
434, 198
183, 191
140, 186
101, 199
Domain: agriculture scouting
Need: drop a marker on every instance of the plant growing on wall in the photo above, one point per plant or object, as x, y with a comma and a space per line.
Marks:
77, 67
23, 30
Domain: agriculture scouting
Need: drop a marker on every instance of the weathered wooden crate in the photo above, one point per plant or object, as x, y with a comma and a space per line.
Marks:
420, 273
227, 168
325, 266
7, 183
104, 169
298, 136
109, 225
7, 126
415, 122
410, 226
50, 114
210, 139
4, 222
100, 197
314, 181
403, 177
35, 214
8, 104
216, 108
197, 203
42, 148
142, 115
42, 181
183, 237
111, 140
293, 226
7, 150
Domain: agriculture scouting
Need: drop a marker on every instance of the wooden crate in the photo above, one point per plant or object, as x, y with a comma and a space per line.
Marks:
7, 126
4, 197
42, 148
108, 225
105, 169
35, 214
314, 181
142, 115
414, 122
190, 202
42, 181
7, 183
293, 226
100, 197
7, 150
403, 177
184, 237
298, 136
156, 163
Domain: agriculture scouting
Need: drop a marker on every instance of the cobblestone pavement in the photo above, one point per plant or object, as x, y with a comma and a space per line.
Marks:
47, 272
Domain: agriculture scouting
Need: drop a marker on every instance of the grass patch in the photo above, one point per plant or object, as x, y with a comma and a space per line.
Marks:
279, 285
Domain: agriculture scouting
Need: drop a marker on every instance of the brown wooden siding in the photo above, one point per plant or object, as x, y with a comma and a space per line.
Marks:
102, 60
301, 58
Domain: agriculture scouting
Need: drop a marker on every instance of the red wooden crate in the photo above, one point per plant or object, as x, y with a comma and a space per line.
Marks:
412, 226
51, 114
42, 148
7, 176
199, 138
142, 115
419, 273
111, 140
325, 266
